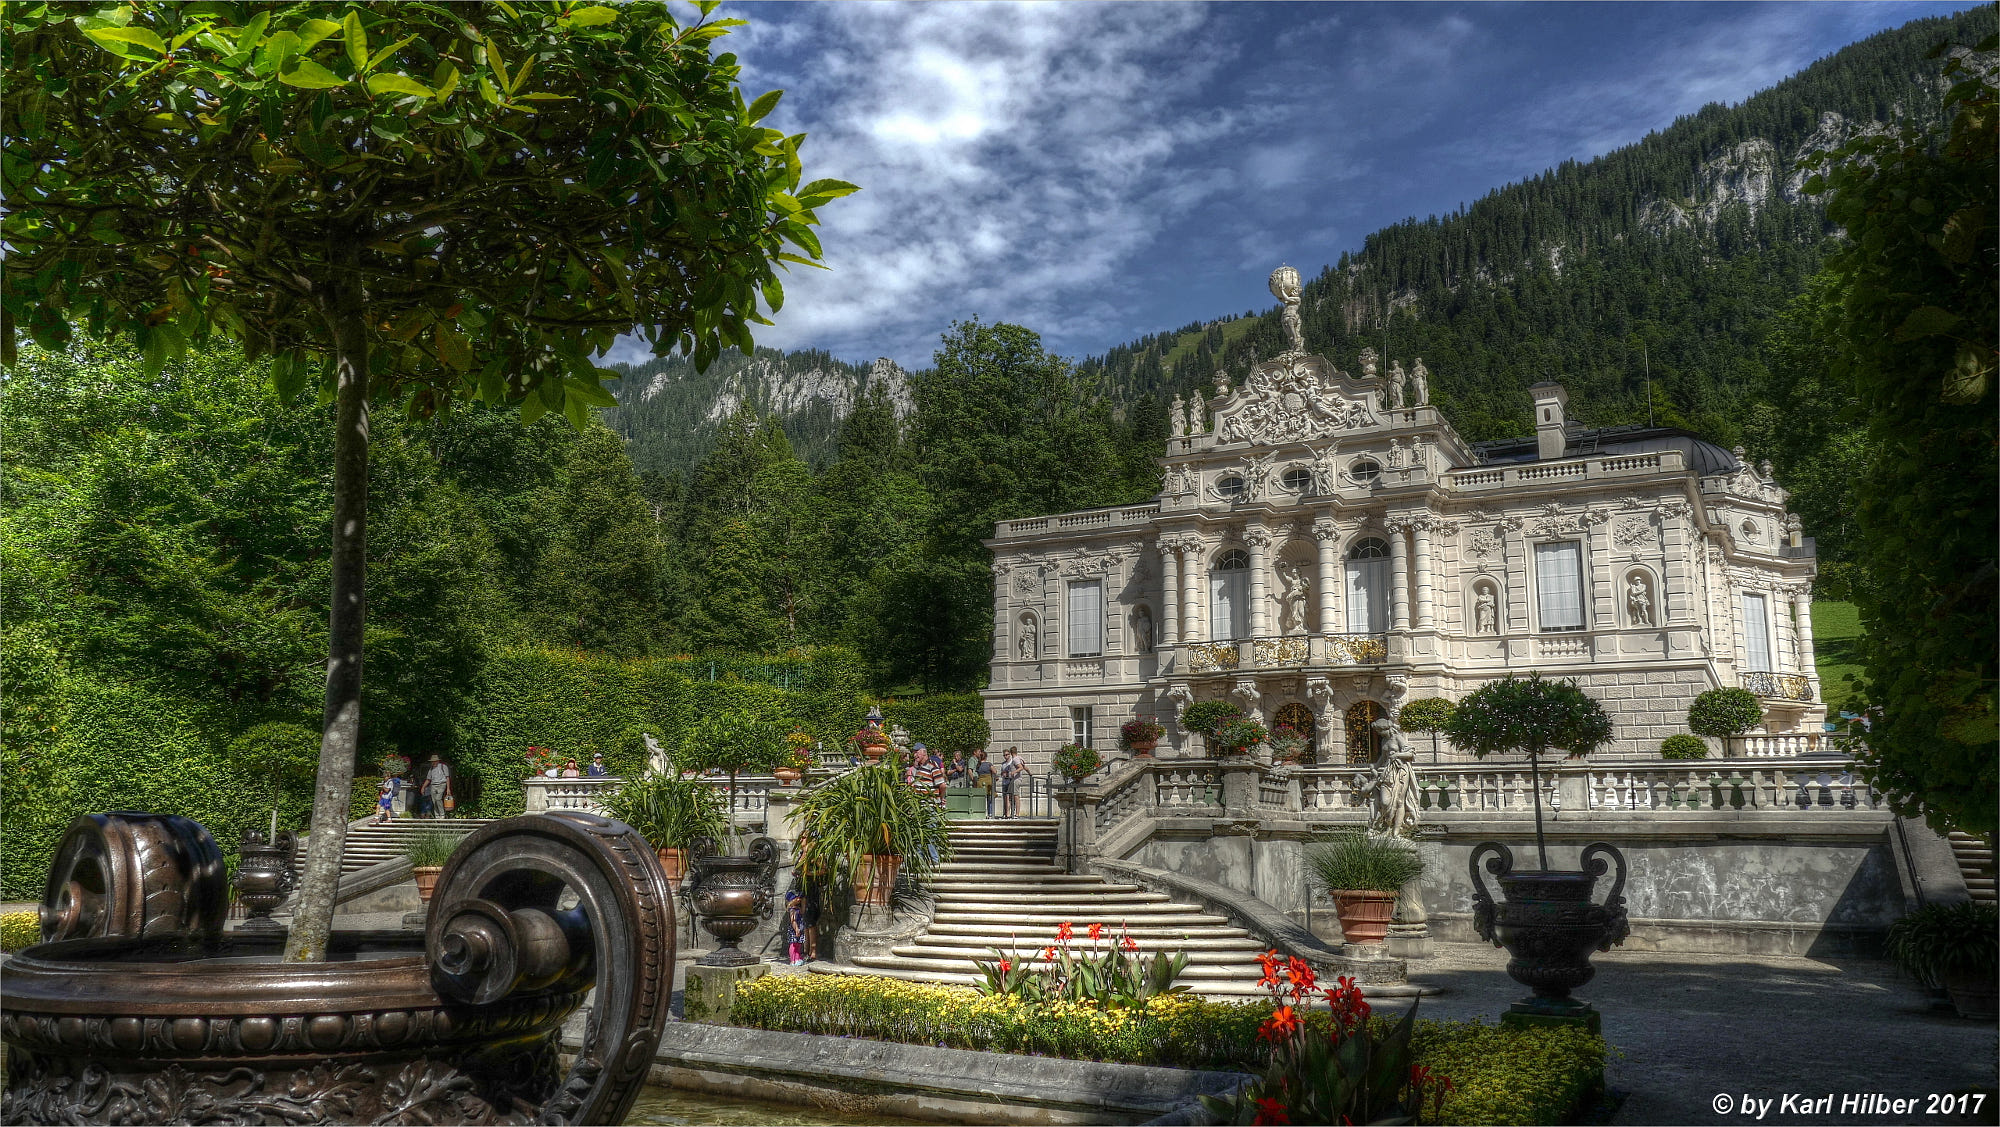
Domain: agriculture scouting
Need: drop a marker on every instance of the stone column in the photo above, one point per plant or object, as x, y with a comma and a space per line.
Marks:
1259, 539
1802, 624
1193, 628
1170, 595
1425, 616
1399, 576
1329, 576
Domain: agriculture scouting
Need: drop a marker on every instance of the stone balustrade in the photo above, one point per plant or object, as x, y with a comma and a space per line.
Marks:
1783, 747
586, 794
1481, 479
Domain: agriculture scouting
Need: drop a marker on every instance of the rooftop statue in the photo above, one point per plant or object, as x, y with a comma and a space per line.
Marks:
1285, 287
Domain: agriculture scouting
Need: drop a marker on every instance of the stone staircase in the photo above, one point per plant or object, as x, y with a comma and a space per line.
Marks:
369, 844
1975, 861
1002, 889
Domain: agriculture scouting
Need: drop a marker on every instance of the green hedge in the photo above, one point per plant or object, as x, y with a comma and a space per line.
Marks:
947, 722
1500, 1076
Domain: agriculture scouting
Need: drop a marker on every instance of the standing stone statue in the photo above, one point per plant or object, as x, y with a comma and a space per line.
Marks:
1197, 413
1420, 384
1028, 636
1396, 377
1292, 607
1177, 419
1325, 473
1639, 602
656, 756
1392, 796
1142, 630
1285, 287
1486, 612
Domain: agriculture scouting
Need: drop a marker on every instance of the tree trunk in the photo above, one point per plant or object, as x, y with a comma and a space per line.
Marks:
340, 733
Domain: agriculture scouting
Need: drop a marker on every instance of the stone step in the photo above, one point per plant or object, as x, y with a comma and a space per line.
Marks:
1140, 931
1225, 990
938, 887
1197, 950
1195, 972
1044, 922
1095, 906
960, 869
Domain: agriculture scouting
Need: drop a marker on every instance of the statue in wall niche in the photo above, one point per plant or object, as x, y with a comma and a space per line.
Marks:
1485, 612
1142, 630
1639, 601
1027, 638
1285, 287
1292, 599
1394, 397
1177, 419
656, 756
1420, 384
1392, 785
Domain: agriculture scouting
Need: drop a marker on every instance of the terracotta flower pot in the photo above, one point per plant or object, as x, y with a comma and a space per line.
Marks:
873, 752
787, 776
876, 877
1364, 915
426, 877
1143, 749
674, 861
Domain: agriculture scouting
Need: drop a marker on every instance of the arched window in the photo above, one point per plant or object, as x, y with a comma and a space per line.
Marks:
1362, 742
1368, 587
1297, 479
1229, 596
1297, 715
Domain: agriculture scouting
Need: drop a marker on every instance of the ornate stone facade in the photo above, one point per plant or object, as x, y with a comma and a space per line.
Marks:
1318, 542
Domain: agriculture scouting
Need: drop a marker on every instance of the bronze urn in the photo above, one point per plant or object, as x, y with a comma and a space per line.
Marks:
264, 877
731, 896
1549, 926
138, 1008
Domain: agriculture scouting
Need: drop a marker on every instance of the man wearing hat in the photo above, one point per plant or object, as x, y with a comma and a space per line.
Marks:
597, 770
436, 787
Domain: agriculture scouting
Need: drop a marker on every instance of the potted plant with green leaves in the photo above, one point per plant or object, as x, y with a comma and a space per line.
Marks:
1288, 744
1363, 873
736, 743
1205, 716
1237, 737
1682, 745
1547, 921
428, 851
796, 759
1076, 762
1725, 714
1954, 947
861, 830
1140, 735
672, 813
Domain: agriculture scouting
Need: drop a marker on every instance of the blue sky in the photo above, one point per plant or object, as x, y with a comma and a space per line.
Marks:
1099, 171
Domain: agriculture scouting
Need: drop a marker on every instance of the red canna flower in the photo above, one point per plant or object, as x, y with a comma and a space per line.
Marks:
1129, 944
1097, 931
1302, 976
1283, 1022
1063, 932
1049, 954
1269, 961
1271, 1111
1006, 966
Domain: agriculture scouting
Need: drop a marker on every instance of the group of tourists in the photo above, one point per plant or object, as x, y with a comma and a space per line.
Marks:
434, 795
932, 774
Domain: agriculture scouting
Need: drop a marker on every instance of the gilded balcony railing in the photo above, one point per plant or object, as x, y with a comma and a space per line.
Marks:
1778, 686
1207, 657
1279, 651
1357, 649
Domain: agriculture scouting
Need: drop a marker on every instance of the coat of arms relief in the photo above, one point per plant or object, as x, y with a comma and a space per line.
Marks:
1290, 399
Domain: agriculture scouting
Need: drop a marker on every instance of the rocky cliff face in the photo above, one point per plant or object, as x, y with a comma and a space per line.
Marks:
1751, 173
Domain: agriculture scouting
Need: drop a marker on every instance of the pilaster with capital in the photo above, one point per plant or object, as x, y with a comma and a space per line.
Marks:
1193, 626
1399, 575
1259, 539
1603, 591
1421, 528
1678, 580
1328, 535
1802, 626
1170, 594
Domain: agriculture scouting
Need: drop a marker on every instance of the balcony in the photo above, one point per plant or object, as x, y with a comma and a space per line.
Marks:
1297, 651
1779, 686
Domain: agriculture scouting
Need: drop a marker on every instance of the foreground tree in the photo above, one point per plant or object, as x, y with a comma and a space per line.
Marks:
1914, 329
417, 204
1529, 716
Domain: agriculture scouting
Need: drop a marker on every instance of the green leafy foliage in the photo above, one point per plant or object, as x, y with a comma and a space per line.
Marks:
1100, 970
946, 722
670, 811
431, 848
1529, 716
1075, 761
1681, 745
19, 929
868, 811
1940, 940
1724, 712
1362, 862
1910, 317
1425, 714
1236, 737
1206, 716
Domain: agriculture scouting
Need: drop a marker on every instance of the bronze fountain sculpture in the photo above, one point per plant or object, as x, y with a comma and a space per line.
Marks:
138, 1008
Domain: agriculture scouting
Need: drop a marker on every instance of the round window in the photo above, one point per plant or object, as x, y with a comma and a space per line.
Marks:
1297, 479
1231, 486
1364, 471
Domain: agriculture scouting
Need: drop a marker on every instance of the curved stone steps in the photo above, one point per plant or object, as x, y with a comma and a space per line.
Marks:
1228, 990
1140, 932
1169, 917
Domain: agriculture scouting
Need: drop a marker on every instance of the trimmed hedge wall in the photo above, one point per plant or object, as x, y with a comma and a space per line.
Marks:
946, 722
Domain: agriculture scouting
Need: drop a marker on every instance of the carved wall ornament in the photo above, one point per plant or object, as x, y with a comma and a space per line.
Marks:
1246, 691
1028, 578
1483, 545
1675, 509
1256, 536
1183, 480
1257, 476
1094, 565
1290, 402
1634, 534
1325, 529
1552, 521
1368, 362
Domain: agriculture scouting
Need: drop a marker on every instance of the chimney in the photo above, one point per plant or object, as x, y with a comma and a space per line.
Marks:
1550, 399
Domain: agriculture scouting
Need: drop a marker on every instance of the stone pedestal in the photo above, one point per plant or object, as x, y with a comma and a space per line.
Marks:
1410, 929
1524, 1016
708, 992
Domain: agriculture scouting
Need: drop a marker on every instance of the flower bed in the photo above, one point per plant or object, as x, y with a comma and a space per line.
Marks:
1500, 1076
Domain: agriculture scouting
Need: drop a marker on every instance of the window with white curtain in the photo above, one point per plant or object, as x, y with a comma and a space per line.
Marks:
1229, 596
1559, 585
1757, 633
1086, 619
1368, 587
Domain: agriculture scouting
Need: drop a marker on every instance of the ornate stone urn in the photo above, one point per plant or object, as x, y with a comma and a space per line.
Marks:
1549, 926
731, 896
137, 1009
264, 877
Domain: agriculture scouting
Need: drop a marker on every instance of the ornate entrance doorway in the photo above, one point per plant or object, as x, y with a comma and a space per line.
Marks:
1298, 716
1362, 742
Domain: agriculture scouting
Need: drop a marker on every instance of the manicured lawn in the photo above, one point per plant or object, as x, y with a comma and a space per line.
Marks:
1836, 630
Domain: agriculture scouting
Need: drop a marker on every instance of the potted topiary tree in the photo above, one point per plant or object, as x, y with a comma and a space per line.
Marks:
1725, 713
1680, 745
1363, 873
1076, 762
1953, 947
1426, 714
1547, 922
733, 742
672, 813
1204, 717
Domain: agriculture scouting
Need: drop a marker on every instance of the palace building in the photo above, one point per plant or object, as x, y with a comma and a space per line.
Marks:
1326, 548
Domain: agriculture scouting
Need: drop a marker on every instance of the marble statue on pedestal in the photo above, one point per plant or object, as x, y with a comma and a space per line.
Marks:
1392, 785
1285, 287
1292, 600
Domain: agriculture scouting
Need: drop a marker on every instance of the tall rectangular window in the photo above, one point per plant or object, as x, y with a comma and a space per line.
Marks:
1368, 596
1086, 619
1559, 585
1229, 605
1079, 726
1757, 633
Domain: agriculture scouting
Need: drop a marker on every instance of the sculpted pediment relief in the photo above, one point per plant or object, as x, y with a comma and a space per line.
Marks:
1293, 398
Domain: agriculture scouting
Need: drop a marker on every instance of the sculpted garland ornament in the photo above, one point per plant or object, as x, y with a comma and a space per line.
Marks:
1290, 402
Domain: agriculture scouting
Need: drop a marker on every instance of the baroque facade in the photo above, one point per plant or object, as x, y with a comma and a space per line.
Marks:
1326, 548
